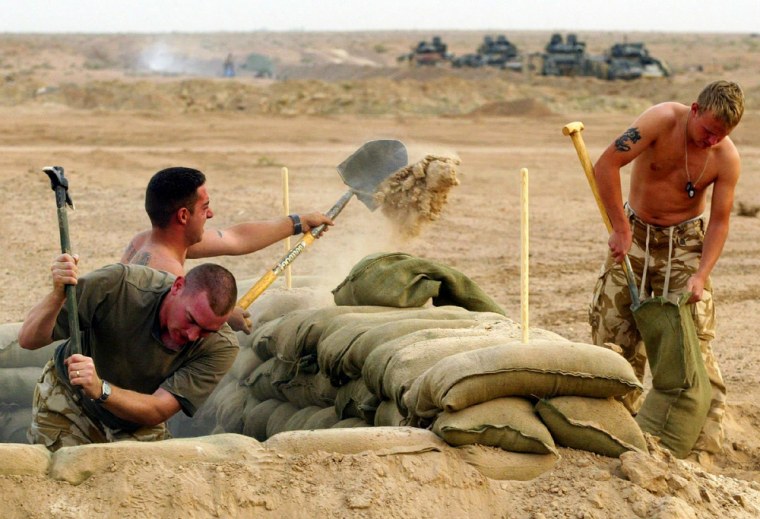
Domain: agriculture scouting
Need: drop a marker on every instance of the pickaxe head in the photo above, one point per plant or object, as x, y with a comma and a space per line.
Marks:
59, 183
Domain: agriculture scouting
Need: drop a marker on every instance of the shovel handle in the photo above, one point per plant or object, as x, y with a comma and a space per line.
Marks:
573, 130
267, 279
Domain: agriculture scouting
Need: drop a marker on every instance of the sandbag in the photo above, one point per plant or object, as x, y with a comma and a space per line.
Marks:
508, 423
358, 355
332, 348
255, 421
381, 441
387, 414
14, 356
349, 423
676, 407
297, 334
309, 389
542, 369
14, 423
377, 361
24, 460
262, 340
17, 384
229, 411
399, 279
261, 384
355, 400
600, 425
297, 422
408, 363
246, 362
499, 464
279, 418
277, 302
322, 419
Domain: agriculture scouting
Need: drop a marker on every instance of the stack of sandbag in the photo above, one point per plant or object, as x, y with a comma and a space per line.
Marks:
19, 371
527, 397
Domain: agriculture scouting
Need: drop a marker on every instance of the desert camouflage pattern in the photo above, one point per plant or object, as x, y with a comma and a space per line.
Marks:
58, 421
612, 320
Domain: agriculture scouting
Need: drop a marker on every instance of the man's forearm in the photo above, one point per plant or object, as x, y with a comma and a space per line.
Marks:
37, 329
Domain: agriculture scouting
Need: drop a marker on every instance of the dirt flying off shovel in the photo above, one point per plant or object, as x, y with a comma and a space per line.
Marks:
362, 172
60, 186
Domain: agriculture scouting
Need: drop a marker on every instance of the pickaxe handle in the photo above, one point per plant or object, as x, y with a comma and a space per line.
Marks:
60, 186
267, 279
573, 130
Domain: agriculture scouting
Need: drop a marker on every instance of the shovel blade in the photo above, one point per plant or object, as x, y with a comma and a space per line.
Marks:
370, 165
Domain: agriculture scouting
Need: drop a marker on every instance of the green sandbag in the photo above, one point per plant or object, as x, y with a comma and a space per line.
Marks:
600, 425
508, 423
399, 279
355, 400
255, 422
676, 407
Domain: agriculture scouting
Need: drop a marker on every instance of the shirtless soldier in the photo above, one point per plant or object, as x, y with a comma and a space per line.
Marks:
178, 205
677, 151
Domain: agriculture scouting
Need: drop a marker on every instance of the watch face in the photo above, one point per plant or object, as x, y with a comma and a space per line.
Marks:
106, 391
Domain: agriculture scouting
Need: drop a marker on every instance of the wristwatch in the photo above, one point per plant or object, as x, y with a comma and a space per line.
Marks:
105, 392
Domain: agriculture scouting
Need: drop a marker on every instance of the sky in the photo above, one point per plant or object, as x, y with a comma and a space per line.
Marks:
162, 16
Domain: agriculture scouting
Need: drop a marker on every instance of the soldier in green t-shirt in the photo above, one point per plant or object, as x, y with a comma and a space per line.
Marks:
151, 345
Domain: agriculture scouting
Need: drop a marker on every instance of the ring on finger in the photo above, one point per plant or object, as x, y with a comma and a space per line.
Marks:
77, 373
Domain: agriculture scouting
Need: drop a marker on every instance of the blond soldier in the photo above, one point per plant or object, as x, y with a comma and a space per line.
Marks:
677, 151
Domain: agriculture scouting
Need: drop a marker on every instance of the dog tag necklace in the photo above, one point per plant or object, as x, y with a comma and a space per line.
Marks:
691, 188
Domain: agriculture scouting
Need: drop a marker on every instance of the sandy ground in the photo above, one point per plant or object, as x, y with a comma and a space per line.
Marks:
110, 153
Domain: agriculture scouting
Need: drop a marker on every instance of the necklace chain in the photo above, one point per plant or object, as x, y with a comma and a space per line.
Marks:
691, 187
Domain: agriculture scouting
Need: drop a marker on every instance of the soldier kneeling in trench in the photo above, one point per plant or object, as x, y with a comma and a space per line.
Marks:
151, 345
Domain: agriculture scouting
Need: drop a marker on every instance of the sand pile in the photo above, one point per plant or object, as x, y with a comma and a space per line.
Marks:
415, 195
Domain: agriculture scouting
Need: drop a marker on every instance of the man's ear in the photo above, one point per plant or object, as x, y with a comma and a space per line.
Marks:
178, 285
183, 215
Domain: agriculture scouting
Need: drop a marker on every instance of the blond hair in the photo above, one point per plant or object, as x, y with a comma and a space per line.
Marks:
725, 100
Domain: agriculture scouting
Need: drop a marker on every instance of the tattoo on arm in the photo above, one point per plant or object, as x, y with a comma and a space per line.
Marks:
632, 135
142, 258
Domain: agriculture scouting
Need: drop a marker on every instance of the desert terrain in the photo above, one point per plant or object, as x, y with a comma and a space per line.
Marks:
113, 110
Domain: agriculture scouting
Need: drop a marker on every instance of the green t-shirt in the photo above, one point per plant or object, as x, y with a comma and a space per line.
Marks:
118, 308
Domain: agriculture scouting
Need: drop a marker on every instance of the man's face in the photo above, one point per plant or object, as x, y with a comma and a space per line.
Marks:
188, 317
707, 130
198, 216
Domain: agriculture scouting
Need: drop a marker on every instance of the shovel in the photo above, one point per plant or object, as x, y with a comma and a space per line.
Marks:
362, 172
60, 185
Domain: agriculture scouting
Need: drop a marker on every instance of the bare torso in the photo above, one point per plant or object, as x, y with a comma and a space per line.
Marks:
659, 176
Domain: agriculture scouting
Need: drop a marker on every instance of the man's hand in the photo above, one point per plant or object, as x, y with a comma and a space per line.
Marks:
311, 220
65, 271
82, 373
239, 321
695, 285
620, 244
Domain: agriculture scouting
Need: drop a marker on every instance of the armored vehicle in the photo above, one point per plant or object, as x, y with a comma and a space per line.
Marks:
427, 53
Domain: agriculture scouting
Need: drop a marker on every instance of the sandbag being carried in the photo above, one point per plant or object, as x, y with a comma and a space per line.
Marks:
676, 407
399, 279
543, 369
600, 425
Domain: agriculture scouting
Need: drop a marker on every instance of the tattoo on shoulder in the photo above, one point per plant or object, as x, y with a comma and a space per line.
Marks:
129, 253
142, 258
631, 135
220, 233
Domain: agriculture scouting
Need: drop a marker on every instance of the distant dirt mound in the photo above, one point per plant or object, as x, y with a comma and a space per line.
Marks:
416, 194
517, 107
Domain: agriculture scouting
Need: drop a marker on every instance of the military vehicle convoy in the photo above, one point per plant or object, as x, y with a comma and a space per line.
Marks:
561, 57
499, 53
621, 61
427, 53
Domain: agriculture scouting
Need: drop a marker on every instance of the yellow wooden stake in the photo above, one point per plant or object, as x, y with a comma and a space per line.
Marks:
524, 255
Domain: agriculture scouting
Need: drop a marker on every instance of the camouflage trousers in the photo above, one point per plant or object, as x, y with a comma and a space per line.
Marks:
58, 420
612, 320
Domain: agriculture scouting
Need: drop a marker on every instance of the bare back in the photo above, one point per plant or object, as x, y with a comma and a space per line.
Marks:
142, 250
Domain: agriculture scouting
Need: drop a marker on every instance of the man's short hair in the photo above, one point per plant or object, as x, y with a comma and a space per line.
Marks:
169, 190
217, 282
725, 100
